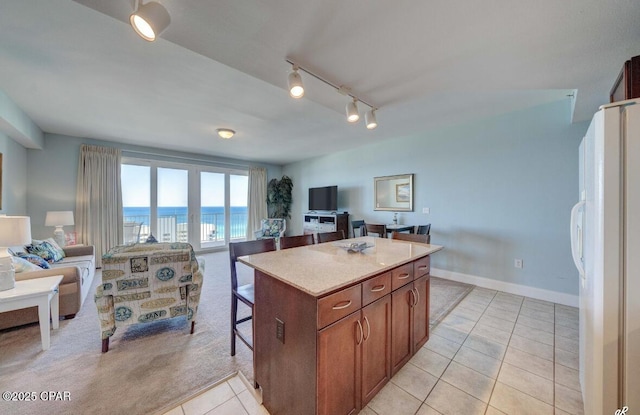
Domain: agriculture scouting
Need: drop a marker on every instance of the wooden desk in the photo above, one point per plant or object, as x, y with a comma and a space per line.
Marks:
331, 327
40, 292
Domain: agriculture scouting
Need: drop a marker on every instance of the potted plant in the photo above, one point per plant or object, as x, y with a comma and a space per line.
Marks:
279, 197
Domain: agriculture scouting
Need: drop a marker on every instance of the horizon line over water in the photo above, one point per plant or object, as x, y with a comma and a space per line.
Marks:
212, 214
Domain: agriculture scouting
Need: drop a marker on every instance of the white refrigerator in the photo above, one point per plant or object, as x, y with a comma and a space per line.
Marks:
605, 241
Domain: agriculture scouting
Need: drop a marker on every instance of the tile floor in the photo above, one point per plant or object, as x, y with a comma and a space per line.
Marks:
495, 353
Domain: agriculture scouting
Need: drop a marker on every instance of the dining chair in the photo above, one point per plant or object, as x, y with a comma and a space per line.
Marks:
381, 230
330, 236
244, 293
297, 240
412, 237
358, 224
424, 229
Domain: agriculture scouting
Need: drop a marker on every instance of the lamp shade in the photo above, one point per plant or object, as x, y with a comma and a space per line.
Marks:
150, 20
15, 230
59, 218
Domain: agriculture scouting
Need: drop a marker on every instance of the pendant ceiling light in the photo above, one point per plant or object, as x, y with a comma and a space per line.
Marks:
225, 133
352, 111
149, 20
296, 89
370, 119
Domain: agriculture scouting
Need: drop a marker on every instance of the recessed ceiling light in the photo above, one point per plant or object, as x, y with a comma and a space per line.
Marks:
225, 133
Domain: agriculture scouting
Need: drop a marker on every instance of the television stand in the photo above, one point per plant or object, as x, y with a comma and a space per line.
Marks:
315, 223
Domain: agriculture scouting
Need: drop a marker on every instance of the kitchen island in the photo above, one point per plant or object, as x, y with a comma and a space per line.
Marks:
331, 327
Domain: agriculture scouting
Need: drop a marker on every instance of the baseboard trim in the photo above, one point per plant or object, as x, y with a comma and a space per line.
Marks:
508, 287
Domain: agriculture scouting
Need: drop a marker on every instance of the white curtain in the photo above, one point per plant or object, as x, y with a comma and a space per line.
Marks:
257, 200
99, 199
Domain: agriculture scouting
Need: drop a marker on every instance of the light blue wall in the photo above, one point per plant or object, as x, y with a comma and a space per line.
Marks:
51, 183
498, 189
14, 177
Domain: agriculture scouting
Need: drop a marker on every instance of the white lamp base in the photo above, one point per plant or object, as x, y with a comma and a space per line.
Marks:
58, 236
7, 273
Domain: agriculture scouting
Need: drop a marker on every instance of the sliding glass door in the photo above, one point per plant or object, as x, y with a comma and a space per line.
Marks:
204, 206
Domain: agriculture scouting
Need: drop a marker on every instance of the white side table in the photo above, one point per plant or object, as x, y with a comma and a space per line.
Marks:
40, 292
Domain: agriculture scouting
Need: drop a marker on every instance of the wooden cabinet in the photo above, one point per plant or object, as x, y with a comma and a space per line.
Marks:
340, 348
627, 85
410, 315
315, 223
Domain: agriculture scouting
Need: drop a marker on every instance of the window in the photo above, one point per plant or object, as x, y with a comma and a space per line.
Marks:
203, 205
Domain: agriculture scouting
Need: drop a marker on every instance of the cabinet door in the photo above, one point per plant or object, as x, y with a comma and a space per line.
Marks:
401, 330
421, 312
376, 347
339, 360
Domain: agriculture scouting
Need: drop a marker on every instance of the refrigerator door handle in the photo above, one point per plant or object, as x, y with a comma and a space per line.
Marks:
576, 238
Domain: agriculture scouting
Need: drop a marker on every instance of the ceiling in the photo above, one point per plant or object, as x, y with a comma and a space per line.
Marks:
77, 68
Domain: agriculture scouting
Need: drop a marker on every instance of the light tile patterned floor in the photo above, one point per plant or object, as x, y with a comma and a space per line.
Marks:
495, 353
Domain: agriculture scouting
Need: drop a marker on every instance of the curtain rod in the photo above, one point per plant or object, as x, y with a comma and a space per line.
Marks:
146, 153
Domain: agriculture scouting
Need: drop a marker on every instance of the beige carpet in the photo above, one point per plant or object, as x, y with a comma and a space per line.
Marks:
149, 368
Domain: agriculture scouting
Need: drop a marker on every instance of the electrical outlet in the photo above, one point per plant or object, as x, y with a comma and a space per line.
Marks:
280, 330
518, 263
426, 210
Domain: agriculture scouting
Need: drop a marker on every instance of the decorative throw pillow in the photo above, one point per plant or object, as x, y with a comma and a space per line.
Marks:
56, 247
34, 259
22, 265
44, 250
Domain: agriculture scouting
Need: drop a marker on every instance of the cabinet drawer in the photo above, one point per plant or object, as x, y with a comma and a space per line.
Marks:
422, 266
376, 287
335, 306
401, 276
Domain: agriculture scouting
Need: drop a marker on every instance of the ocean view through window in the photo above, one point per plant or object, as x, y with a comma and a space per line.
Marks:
160, 196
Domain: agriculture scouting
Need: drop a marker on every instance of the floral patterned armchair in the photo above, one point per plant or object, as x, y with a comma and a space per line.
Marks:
146, 282
271, 228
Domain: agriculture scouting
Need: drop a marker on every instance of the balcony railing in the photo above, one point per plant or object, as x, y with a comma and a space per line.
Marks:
174, 228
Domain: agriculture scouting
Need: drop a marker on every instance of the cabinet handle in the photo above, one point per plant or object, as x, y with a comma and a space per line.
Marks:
413, 298
377, 288
361, 334
366, 320
422, 267
342, 307
417, 296
403, 276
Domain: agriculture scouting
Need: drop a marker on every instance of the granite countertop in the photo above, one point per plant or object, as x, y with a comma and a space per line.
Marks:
323, 268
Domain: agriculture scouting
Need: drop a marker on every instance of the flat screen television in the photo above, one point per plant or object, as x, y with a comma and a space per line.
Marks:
323, 198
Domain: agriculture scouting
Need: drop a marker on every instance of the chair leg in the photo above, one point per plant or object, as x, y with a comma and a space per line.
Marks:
105, 345
234, 315
193, 324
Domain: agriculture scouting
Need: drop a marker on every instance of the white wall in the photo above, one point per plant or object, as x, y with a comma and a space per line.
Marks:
498, 189
14, 177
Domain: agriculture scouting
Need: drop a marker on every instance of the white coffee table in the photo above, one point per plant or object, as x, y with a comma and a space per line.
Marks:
40, 292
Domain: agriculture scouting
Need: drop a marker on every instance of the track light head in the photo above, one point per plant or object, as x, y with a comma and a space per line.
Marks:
352, 111
370, 119
150, 20
296, 89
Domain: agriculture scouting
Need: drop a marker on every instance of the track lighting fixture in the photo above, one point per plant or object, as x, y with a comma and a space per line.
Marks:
149, 20
370, 119
225, 133
352, 111
296, 90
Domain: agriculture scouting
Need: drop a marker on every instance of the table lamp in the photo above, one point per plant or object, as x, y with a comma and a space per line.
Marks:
14, 231
59, 219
